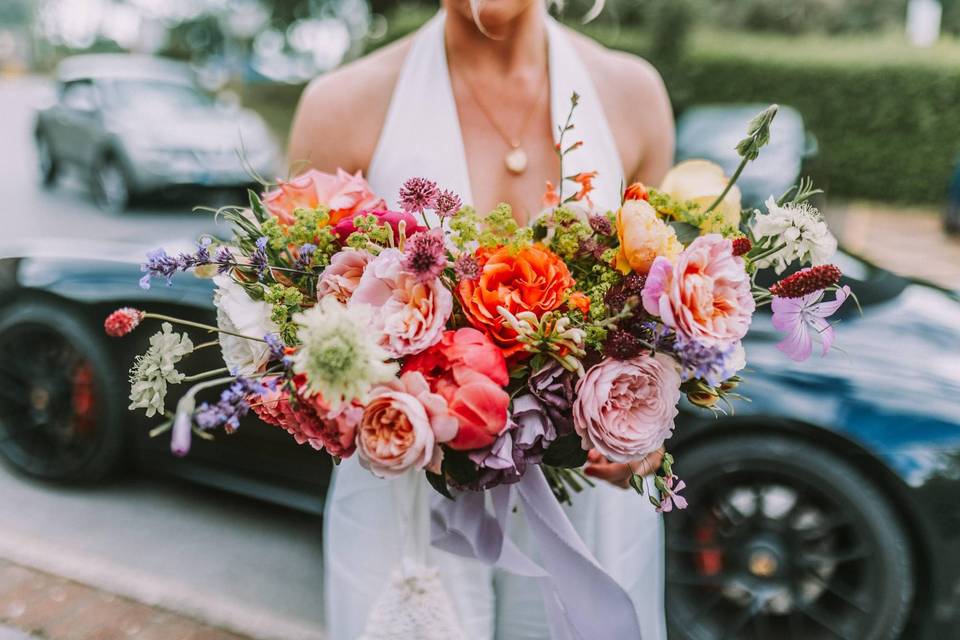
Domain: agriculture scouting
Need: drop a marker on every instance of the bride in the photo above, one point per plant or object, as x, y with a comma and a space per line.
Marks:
473, 101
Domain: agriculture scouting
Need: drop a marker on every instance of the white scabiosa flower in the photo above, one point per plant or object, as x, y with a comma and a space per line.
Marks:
237, 312
156, 368
339, 352
801, 228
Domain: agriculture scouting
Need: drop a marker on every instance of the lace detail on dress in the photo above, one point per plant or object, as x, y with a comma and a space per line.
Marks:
414, 606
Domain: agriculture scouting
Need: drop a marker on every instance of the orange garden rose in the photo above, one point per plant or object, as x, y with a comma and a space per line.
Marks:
531, 279
636, 191
643, 236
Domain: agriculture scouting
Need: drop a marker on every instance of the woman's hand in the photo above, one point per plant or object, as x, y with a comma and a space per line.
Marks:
617, 473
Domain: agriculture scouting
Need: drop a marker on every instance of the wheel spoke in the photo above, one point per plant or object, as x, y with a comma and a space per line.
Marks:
742, 619
823, 529
817, 617
816, 558
841, 592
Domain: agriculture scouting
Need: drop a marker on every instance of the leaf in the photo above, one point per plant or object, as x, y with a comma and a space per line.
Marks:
257, 206
566, 452
686, 233
439, 482
459, 467
637, 483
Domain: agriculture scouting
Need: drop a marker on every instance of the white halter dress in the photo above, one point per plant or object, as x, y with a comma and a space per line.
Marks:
363, 538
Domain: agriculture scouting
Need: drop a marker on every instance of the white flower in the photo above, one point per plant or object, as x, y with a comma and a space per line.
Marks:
339, 351
154, 369
801, 228
239, 313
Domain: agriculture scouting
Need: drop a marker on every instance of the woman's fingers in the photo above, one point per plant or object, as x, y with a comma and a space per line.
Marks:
612, 472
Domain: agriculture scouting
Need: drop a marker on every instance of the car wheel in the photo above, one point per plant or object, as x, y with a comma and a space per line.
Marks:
61, 404
110, 187
783, 540
46, 161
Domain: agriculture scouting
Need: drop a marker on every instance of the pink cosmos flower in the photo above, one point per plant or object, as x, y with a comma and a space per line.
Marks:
798, 316
345, 227
411, 315
402, 427
625, 408
705, 295
343, 193
341, 277
670, 494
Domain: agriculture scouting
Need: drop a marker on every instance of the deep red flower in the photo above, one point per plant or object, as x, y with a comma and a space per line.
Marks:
807, 281
122, 321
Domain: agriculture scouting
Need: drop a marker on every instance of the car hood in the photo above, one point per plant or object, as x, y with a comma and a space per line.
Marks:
201, 129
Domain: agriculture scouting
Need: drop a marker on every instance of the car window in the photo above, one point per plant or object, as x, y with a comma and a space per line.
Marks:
79, 95
153, 96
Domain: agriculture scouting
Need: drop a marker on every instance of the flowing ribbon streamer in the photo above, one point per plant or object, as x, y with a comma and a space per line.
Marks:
582, 600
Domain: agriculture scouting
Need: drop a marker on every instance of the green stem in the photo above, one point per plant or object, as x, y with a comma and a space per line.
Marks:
730, 183
199, 325
205, 374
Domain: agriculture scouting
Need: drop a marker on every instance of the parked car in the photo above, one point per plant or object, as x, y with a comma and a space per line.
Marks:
134, 124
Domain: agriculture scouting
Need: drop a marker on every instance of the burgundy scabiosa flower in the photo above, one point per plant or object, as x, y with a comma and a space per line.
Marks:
447, 203
622, 345
418, 194
425, 255
807, 281
466, 267
631, 286
122, 321
601, 224
741, 246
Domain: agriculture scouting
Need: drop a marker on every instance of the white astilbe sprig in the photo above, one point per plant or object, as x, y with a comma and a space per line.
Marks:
551, 335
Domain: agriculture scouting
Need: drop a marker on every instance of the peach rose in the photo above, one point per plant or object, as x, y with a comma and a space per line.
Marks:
402, 427
411, 315
701, 181
705, 295
344, 194
643, 236
531, 279
341, 277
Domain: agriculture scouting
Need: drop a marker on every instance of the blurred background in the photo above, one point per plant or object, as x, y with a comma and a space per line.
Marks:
117, 116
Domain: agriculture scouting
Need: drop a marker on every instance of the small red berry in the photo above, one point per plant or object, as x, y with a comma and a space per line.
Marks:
741, 246
807, 281
122, 321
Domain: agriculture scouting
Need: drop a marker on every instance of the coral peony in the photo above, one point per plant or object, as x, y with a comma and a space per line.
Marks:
341, 277
402, 426
532, 279
705, 296
344, 194
469, 371
625, 408
643, 237
409, 315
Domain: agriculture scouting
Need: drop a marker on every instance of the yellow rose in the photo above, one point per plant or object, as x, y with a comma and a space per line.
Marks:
701, 181
643, 236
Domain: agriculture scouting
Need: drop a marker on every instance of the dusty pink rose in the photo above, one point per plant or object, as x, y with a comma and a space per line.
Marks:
705, 295
341, 277
344, 194
625, 408
345, 227
411, 315
402, 427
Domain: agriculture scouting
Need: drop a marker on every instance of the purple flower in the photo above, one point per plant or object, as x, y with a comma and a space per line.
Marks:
201, 257
797, 317
231, 407
466, 267
553, 387
535, 430
713, 363
258, 260
224, 259
601, 224
305, 256
447, 203
670, 488
159, 265
418, 194
425, 255
277, 350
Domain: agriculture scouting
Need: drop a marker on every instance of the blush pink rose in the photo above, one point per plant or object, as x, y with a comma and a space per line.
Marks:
344, 194
345, 227
410, 315
341, 277
625, 408
705, 295
402, 427
469, 371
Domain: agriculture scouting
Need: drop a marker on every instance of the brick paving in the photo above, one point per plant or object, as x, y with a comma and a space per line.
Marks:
46, 607
908, 241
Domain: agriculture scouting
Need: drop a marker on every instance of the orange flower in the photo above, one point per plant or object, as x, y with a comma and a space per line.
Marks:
636, 191
585, 180
531, 279
550, 198
579, 301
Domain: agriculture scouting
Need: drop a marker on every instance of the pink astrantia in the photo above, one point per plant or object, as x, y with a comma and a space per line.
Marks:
798, 317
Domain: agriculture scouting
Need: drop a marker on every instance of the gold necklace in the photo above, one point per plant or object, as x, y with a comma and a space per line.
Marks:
516, 159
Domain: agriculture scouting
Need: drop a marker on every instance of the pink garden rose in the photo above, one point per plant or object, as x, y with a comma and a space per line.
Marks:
411, 315
625, 408
345, 227
402, 427
341, 277
344, 194
705, 295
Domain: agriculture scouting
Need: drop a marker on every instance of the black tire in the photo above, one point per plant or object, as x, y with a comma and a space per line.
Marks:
47, 165
61, 397
835, 562
109, 185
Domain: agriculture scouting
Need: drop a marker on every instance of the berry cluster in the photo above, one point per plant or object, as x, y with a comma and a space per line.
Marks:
807, 281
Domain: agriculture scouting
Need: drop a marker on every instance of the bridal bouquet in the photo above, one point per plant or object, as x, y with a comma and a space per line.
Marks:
440, 339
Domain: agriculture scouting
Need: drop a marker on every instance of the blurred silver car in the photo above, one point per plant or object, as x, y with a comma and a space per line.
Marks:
135, 124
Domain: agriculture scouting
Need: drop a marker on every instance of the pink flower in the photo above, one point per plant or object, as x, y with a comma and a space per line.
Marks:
341, 277
670, 494
470, 372
425, 255
418, 194
625, 408
402, 427
797, 316
411, 315
345, 227
344, 194
705, 295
